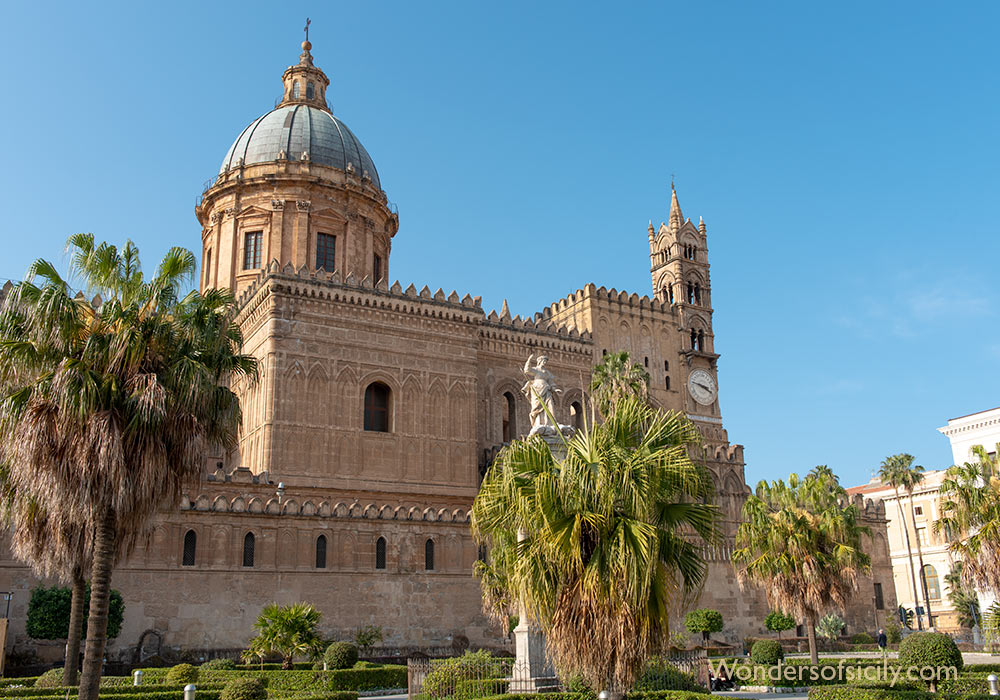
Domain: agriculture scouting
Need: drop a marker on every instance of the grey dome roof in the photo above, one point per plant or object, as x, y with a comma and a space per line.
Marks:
298, 129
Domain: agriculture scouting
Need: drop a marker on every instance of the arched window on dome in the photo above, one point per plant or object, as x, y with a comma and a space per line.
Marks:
310, 90
295, 89
190, 548
378, 399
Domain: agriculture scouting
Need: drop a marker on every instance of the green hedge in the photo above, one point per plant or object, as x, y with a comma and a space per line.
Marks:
355, 679
27, 681
666, 695
60, 694
317, 695
126, 693
846, 692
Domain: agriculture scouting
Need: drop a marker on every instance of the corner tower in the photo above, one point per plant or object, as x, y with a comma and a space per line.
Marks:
296, 187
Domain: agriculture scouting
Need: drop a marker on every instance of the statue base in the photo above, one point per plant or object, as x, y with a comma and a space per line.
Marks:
532, 671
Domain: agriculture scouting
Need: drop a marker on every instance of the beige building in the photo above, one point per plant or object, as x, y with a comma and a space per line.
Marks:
379, 406
937, 560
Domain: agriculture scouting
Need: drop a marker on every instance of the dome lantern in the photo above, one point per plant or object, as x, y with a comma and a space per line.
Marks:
305, 84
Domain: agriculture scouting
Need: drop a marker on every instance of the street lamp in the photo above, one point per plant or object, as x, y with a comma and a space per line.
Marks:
281, 491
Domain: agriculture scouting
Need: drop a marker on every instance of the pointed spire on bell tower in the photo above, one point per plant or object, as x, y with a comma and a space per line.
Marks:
676, 219
701, 225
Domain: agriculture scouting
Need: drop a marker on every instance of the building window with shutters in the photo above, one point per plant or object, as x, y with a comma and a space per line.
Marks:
429, 555
190, 548
321, 552
249, 543
380, 553
325, 250
252, 241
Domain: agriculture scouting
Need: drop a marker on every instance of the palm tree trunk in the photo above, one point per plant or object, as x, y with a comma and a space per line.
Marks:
909, 556
100, 592
71, 671
811, 631
920, 558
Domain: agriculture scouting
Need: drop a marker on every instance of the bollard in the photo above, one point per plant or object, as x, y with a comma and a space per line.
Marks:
137, 677
603, 695
189, 691
992, 678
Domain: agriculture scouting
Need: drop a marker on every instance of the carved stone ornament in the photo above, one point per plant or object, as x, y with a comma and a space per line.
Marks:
230, 212
215, 217
303, 205
277, 204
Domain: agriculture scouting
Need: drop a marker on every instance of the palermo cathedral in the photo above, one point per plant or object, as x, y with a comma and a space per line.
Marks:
379, 406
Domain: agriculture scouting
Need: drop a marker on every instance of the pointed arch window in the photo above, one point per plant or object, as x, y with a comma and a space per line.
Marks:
190, 548
701, 341
690, 293
377, 405
508, 420
380, 553
321, 552
249, 544
429, 555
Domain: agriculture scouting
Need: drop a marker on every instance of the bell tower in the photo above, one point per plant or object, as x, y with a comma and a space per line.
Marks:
678, 256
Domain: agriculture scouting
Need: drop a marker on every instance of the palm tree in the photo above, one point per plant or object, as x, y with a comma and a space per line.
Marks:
965, 603
970, 510
616, 377
912, 476
286, 630
110, 406
893, 472
801, 543
595, 538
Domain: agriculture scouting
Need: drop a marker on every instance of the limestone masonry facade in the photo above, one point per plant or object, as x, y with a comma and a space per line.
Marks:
378, 408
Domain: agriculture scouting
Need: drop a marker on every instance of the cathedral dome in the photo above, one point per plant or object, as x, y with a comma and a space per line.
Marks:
301, 132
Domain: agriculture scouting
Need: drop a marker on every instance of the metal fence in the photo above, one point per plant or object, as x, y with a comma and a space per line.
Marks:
481, 676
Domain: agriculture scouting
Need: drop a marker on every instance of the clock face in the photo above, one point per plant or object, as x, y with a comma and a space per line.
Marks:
701, 386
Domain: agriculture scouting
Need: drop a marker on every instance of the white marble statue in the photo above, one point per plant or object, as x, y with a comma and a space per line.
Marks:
541, 390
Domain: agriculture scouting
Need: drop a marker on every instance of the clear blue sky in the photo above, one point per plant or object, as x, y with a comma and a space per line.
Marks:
844, 157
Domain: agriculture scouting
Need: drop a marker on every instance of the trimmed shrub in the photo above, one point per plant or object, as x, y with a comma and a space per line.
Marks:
666, 695
704, 620
251, 688
862, 638
219, 665
182, 674
50, 679
766, 652
340, 655
388, 676
932, 649
893, 634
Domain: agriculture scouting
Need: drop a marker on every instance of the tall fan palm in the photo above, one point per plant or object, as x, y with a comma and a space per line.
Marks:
616, 377
801, 543
596, 541
111, 406
970, 510
894, 472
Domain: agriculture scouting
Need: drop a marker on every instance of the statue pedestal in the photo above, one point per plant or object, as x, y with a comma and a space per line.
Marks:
532, 671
